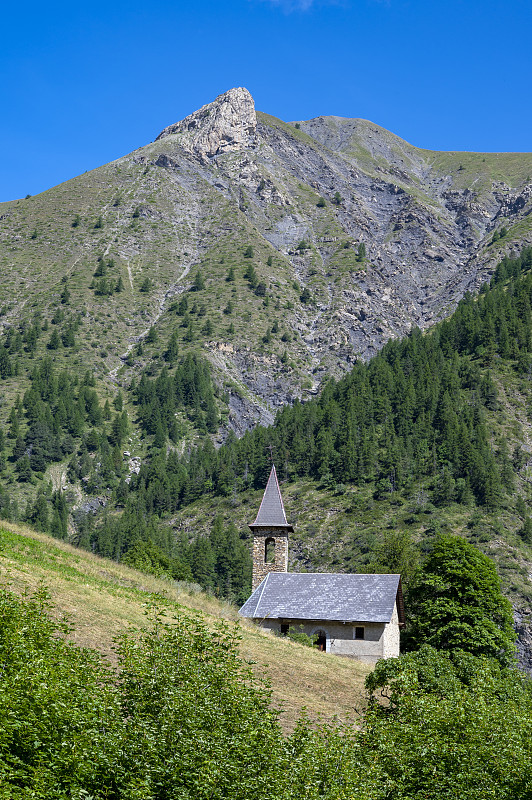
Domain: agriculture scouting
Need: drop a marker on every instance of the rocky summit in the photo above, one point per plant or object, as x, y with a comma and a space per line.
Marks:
307, 245
228, 124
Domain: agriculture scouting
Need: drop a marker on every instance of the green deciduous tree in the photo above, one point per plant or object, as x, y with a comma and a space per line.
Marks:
456, 603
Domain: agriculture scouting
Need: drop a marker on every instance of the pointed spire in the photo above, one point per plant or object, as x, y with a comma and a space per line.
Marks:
271, 512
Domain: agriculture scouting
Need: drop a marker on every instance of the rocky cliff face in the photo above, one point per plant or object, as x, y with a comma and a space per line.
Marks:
228, 124
426, 229
523, 629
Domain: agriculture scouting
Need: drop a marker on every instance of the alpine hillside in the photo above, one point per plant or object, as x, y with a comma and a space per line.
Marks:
309, 244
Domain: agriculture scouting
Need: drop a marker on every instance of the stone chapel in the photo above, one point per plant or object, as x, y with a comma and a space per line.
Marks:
350, 615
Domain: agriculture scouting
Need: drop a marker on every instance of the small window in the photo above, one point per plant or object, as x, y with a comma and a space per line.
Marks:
285, 627
269, 551
359, 632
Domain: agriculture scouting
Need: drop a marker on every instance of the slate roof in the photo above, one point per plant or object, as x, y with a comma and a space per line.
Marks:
325, 596
271, 512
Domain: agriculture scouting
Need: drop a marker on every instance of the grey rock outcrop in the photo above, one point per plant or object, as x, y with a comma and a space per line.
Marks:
523, 630
226, 125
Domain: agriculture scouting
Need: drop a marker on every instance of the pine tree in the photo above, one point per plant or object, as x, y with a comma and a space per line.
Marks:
23, 468
172, 350
526, 531
251, 276
202, 563
199, 284
55, 341
38, 515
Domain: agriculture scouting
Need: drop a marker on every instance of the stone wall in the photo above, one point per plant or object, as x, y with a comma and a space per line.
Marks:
391, 636
381, 640
261, 568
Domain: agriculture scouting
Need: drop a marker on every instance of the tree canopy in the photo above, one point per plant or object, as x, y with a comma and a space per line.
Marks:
456, 602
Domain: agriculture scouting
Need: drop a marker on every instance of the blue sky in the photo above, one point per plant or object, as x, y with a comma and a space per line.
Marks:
82, 84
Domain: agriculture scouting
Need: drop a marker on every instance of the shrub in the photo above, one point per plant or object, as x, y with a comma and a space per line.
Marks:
297, 634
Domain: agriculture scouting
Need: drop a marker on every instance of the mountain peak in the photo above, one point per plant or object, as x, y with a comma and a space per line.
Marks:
227, 124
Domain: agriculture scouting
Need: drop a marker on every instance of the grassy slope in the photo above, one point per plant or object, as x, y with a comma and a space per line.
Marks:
103, 598
471, 170
481, 168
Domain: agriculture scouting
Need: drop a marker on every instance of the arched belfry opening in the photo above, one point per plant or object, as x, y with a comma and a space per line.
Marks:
269, 550
270, 533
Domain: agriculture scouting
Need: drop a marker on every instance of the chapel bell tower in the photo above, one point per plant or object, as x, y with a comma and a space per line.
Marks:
270, 534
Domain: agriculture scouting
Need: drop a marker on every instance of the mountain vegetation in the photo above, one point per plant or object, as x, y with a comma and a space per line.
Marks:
455, 603
422, 419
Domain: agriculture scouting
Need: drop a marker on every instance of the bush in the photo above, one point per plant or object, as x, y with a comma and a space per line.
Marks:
60, 710
457, 726
298, 635
69, 729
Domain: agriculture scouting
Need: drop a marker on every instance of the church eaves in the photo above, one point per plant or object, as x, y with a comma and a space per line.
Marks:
271, 513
